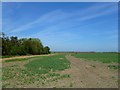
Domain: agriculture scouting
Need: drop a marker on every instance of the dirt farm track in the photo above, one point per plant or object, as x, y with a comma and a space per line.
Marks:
84, 74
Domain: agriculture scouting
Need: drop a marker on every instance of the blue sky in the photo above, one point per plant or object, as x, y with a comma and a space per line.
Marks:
64, 26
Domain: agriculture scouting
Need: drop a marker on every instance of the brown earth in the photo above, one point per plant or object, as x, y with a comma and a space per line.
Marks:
83, 74
91, 74
17, 57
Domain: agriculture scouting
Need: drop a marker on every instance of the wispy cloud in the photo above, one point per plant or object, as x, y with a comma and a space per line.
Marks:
63, 28
55, 18
45, 19
98, 11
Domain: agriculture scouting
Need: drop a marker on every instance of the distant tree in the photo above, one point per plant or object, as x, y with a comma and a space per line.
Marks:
46, 50
15, 46
5, 45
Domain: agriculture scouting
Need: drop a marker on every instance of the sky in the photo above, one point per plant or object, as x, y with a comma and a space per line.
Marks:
64, 26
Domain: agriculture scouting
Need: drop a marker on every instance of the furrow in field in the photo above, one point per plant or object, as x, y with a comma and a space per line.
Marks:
87, 76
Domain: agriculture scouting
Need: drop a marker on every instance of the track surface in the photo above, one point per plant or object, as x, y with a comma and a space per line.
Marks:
83, 74
88, 74
17, 57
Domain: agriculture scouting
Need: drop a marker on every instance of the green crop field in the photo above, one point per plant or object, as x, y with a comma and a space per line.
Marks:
39, 69
45, 71
101, 57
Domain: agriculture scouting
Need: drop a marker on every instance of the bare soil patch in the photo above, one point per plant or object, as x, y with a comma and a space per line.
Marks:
83, 74
90, 74
17, 57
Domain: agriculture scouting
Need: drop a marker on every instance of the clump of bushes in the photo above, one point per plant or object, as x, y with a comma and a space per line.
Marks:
14, 46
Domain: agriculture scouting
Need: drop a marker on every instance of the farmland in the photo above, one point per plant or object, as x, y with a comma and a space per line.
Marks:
101, 57
110, 58
67, 70
37, 70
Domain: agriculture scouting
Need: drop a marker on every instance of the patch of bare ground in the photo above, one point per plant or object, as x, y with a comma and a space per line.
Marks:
17, 57
83, 74
90, 74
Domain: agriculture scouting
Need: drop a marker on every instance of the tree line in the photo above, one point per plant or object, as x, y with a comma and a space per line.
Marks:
24, 46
